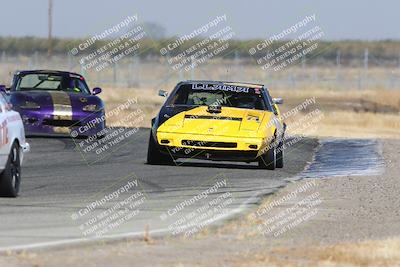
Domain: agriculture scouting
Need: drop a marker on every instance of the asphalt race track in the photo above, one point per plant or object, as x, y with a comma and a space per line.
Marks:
58, 182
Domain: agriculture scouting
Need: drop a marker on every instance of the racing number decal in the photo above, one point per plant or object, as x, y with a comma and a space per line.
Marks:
3, 133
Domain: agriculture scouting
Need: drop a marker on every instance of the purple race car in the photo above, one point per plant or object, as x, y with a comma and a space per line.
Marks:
57, 102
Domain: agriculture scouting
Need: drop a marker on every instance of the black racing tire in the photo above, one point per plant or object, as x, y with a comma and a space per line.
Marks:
154, 156
280, 154
104, 130
10, 178
268, 160
101, 136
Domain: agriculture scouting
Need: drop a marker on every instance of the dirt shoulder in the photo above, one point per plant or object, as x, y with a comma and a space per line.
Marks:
356, 223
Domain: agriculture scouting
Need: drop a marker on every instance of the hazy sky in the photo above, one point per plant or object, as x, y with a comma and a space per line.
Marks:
339, 19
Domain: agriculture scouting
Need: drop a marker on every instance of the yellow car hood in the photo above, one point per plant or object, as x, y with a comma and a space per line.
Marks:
229, 122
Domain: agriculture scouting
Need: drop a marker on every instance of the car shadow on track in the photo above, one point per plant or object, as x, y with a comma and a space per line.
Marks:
212, 164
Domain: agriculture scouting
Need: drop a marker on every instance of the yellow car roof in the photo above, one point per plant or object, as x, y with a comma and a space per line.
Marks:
242, 84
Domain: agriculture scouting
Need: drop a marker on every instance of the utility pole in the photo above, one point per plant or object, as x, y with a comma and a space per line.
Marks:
338, 65
398, 61
338, 59
50, 25
366, 59
365, 76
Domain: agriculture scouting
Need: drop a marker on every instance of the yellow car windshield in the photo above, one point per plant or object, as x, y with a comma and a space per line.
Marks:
186, 95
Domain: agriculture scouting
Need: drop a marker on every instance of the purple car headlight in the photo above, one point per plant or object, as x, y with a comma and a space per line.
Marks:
91, 108
30, 105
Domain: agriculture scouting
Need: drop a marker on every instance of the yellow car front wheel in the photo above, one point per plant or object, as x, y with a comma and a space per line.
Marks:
154, 156
280, 154
268, 160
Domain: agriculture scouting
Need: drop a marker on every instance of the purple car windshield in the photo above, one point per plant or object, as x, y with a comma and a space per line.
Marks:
51, 82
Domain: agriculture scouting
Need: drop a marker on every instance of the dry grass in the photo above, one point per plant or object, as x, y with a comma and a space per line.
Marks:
349, 124
367, 253
148, 101
359, 125
379, 96
352, 113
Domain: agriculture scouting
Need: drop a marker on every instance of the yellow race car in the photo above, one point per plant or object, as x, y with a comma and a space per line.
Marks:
225, 121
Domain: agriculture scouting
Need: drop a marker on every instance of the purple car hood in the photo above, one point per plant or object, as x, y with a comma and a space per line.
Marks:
51, 98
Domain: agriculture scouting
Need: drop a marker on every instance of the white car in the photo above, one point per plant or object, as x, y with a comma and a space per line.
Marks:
12, 149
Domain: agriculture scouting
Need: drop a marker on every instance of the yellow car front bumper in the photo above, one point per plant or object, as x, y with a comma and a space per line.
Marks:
209, 141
